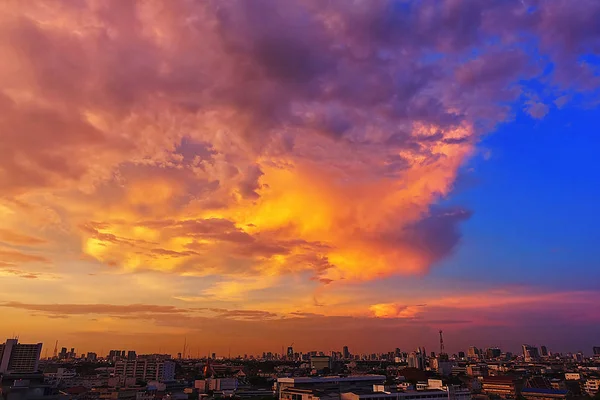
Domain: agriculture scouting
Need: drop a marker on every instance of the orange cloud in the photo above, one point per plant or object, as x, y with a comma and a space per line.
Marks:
242, 152
13, 256
144, 146
393, 310
8, 236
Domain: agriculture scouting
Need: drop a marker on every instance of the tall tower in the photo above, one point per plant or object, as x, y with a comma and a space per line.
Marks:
441, 343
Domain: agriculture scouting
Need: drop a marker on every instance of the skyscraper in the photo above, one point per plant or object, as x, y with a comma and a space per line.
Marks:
290, 353
417, 359
530, 353
544, 351
473, 352
596, 350
19, 358
131, 356
492, 353
346, 352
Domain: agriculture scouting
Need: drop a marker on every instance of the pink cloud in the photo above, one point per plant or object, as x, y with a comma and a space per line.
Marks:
250, 142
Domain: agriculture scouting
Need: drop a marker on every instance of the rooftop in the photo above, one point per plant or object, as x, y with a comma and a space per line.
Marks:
544, 391
327, 379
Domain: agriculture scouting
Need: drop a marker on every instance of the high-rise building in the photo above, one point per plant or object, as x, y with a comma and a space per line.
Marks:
416, 359
461, 354
530, 353
473, 352
91, 357
63, 353
544, 351
131, 356
346, 353
21, 358
493, 353
116, 355
596, 350
290, 353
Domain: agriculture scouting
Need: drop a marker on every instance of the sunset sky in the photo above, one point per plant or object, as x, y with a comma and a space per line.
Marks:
248, 174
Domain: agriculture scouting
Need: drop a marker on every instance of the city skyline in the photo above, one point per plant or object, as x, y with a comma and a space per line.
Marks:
194, 351
254, 174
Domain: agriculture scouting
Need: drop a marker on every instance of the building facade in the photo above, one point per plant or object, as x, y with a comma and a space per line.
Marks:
19, 358
453, 394
530, 353
145, 370
592, 386
502, 386
338, 383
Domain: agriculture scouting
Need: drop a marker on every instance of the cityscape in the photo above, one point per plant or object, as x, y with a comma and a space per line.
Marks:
299, 199
534, 374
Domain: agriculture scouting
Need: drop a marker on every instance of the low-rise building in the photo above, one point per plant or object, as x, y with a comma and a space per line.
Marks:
320, 363
145, 370
26, 387
592, 386
503, 386
338, 383
452, 393
572, 376
221, 384
544, 394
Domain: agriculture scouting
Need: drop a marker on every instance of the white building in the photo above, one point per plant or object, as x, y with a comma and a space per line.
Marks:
453, 394
416, 360
21, 358
61, 373
592, 386
145, 370
572, 376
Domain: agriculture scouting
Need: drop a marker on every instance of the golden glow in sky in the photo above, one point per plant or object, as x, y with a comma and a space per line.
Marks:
173, 168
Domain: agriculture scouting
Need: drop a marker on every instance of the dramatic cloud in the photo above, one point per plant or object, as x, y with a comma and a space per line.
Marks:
267, 144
